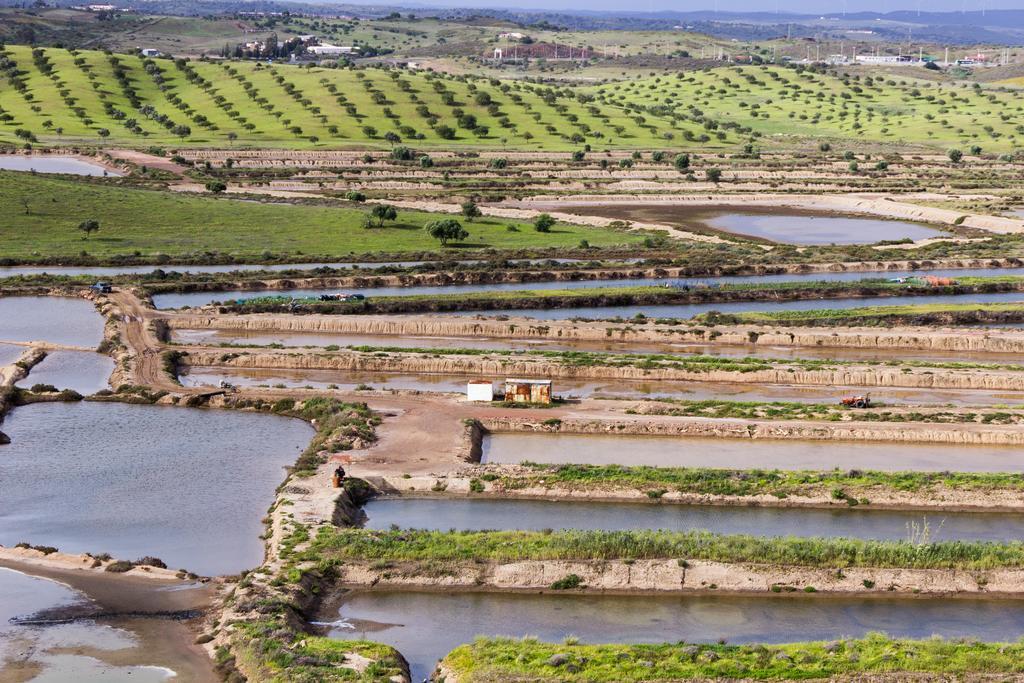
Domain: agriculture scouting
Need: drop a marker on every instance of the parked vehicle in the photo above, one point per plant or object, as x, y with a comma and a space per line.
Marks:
856, 401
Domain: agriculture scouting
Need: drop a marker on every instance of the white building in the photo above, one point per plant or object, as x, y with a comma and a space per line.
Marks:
480, 390
149, 52
326, 50
878, 59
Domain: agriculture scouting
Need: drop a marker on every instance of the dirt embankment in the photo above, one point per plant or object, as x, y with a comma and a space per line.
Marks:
19, 369
974, 434
683, 575
906, 338
11, 375
498, 365
467, 482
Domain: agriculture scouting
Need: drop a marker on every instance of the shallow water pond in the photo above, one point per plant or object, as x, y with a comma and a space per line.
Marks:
665, 451
83, 371
426, 626
775, 224
188, 486
53, 164
59, 320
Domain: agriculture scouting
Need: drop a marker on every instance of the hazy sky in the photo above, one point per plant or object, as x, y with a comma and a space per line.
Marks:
803, 6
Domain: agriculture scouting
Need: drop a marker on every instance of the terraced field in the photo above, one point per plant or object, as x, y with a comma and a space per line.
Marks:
777, 101
56, 96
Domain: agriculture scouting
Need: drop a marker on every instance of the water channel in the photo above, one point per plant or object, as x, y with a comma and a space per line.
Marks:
58, 320
426, 626
54, 164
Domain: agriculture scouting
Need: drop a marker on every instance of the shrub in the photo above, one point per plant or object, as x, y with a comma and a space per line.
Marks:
568, 582
119, 567
149, 561
543, 223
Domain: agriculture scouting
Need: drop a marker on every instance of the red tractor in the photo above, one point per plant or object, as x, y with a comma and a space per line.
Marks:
856, 401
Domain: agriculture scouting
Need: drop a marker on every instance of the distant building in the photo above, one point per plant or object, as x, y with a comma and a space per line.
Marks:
149, 52
326, 50
878, 59
511, 35
307, 38
528, 390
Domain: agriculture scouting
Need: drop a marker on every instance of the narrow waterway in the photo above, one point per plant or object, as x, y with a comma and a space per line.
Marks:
188, 486
664, 451
685, 311
480, 515
193, 299
426, 626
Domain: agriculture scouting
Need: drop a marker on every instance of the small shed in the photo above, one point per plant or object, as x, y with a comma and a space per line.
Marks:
480, 390
528, 390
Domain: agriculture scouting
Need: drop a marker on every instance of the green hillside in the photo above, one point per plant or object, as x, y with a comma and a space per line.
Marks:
61, 97
41, 215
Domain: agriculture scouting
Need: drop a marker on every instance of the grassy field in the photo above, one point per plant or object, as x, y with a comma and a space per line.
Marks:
753, 482
41, 216
64, 97
839, 316
503, 659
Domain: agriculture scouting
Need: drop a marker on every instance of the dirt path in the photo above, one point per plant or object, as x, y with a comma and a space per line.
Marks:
136, 333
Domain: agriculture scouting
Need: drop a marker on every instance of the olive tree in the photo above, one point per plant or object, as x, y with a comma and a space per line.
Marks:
446, 230
89, 226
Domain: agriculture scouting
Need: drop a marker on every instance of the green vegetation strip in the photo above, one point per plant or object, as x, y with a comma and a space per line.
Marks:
752, 482
845, 315
489, 660
654, 294
280, 653
779, 410
339, 544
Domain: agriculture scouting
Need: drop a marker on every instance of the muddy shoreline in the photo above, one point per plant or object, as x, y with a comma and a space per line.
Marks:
164, 616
